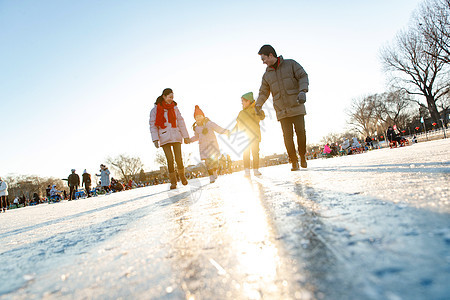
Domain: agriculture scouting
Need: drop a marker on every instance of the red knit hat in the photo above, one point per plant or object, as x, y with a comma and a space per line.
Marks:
198, 111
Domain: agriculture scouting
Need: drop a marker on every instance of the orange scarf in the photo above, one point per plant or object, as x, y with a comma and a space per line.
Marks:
160, 120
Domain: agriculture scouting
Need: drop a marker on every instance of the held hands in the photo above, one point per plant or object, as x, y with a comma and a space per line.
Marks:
258, 110
187, 140
156, 143
301, 98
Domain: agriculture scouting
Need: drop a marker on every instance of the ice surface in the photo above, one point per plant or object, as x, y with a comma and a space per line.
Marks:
369, 226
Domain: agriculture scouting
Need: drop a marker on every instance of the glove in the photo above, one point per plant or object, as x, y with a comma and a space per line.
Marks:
187, 140
301, 98
156, 144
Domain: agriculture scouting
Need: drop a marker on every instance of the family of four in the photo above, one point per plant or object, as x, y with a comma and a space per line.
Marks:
285, 79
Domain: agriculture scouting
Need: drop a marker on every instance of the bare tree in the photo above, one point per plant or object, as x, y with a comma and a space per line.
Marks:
362, 113
433, 22
415, 68
393, 108
161, 160
29, 184
127, 166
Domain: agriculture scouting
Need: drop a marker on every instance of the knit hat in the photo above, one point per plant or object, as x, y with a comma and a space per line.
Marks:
198, 111
73, 170
248, 96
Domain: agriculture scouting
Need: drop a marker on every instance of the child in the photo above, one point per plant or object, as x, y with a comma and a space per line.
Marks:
248, 122
207, 142
168, 131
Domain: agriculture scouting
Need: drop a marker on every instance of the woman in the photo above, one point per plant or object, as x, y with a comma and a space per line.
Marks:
168, 130
3, 196
104, 178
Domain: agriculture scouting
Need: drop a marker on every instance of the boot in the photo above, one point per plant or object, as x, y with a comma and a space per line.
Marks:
303, 163
247, 172
256, 172
294, 166
182, 176
212, 179
173, 180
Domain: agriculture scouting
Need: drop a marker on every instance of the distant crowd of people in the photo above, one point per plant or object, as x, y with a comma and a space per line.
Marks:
355, 146
76, 189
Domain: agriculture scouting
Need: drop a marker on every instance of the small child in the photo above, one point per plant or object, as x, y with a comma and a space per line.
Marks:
204, 130
248, 122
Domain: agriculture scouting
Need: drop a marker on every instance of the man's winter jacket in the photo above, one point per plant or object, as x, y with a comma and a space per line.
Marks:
74, 179
287, 82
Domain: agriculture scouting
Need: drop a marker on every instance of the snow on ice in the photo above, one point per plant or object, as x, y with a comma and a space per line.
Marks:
367, 226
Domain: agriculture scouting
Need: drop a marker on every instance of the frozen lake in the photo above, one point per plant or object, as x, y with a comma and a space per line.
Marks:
368, 226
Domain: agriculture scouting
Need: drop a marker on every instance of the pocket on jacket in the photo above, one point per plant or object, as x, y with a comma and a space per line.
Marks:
292, 91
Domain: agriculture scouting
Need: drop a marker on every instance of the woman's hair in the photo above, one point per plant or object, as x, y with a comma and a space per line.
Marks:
164, 93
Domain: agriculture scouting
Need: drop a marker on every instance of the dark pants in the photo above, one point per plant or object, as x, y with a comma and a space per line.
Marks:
3, 202
73, 189
288, 125
170, 154
253, 147
88, 190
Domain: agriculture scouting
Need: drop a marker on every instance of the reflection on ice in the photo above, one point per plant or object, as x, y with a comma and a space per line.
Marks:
256, 254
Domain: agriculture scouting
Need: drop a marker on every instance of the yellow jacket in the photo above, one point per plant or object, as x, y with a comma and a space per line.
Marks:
248, 121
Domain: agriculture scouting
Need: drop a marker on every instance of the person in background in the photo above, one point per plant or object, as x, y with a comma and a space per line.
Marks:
16, 201
73, 182
55, 195
104, 178
3, 195
86, 182
369, 142
47, 192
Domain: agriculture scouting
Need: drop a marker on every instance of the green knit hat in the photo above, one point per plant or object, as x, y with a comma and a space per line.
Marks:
248, 96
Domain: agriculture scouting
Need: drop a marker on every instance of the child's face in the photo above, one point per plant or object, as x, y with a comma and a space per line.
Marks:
245, 103
199, 118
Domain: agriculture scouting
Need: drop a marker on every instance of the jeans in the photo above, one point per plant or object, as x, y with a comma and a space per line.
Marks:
170, 154
253, 147
287, 125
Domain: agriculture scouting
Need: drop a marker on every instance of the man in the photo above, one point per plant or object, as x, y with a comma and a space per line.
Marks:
74, 183
288, 82
87, 182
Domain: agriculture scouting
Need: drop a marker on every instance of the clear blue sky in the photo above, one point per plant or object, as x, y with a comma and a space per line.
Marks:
79, 78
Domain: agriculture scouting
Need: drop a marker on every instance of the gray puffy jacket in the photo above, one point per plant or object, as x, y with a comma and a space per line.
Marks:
285, 83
